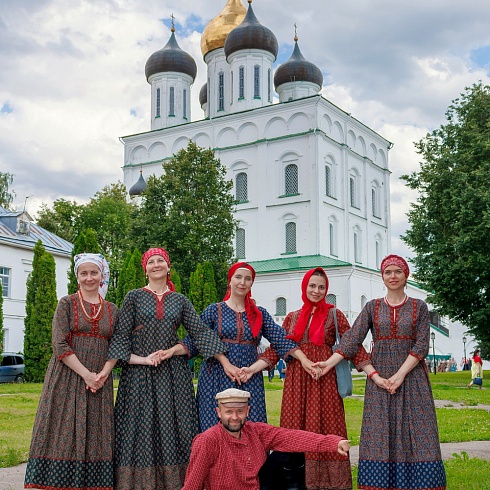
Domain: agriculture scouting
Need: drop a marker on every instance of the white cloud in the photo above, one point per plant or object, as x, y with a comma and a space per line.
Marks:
73, 78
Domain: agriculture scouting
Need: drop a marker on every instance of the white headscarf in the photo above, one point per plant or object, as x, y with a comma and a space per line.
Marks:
100, 261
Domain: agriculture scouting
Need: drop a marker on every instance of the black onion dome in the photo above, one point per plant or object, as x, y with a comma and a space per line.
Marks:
171, 58
203, 94
139, 187
251, 34
297, 69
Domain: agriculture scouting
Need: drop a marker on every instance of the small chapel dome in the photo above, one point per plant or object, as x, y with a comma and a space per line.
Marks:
203, 94
214, 34
298, 69
139, 187
251, 34
171, 58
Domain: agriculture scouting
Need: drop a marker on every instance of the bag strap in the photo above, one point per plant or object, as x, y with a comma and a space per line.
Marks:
337, 338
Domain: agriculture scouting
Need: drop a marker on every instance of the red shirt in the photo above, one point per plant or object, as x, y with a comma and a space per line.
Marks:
220, 461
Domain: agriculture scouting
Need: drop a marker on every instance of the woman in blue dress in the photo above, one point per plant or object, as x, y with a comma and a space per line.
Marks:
240, 324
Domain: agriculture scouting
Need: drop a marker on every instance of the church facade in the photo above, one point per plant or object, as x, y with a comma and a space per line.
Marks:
311, 181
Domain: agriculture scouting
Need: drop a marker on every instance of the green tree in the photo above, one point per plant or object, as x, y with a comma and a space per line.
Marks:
189, 210
131, 275
40, 307
62, 220
6, 195
85, 242
202, 288
450, 221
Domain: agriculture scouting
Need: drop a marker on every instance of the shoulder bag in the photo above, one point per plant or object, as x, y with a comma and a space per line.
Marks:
343, 371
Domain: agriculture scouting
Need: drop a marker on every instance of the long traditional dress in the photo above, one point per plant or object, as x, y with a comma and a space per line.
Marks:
316, 406
155, 412
399, 446
72, 439
234, 330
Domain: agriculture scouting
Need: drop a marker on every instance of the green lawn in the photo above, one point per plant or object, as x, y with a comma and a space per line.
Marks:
18, 404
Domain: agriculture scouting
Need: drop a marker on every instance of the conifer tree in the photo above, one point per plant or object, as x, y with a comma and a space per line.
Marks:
86, 241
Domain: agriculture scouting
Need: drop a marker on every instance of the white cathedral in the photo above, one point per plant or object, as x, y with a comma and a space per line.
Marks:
312, 182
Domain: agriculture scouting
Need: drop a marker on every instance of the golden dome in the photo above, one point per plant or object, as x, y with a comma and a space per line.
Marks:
214, 34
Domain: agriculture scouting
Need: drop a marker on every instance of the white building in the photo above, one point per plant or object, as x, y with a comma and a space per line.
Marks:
312, 182
18, 236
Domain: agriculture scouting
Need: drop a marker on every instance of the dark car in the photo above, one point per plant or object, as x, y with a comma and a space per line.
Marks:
11, 367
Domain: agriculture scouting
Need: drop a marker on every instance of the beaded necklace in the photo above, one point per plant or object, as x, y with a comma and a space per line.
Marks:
98, 314
154, 292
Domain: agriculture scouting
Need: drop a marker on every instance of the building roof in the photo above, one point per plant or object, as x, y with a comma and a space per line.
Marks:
10, 235
139, 186
295, 263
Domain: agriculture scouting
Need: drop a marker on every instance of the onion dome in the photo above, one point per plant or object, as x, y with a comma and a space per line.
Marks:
297, 69
203, 94
251, 34
214, 34
171, 58
139, 187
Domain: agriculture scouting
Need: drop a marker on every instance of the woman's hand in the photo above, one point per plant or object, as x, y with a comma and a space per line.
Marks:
230, 370
91, 382
394, 382
246, 373
343, 447
307, 365
321, 368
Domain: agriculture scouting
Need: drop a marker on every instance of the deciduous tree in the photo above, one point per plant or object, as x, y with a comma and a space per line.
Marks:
450, 221
6, 195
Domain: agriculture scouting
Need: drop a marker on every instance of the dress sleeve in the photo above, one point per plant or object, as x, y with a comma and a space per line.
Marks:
207, 316
203, 338
201, 460
270, 355
361, 357
120, 346
62, 328
352, 339
276, 335
422, 332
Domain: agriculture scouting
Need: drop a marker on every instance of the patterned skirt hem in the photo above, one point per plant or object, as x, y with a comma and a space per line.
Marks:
47, 487
364, 487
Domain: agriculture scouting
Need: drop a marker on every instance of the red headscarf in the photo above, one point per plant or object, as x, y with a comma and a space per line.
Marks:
254, 315
317, 325
395, 260
158, 251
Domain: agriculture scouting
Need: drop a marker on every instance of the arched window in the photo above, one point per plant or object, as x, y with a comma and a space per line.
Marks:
221, 91
328, 181
241, 82
352, 192
377, 246
171, 105
269, 91
231, 87
241, 187
290, 237
240, 243
375, 202
332, 239
257, 81
291, 179
357, 247
332, 299
363, 301
157, 112
184, 103
281, 308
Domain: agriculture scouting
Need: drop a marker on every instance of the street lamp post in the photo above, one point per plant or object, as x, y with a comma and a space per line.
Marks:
433, 337
465, 363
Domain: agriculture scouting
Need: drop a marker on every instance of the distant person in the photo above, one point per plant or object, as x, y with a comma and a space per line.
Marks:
476, 370
230, 455
73, 436
399, 446
282, 368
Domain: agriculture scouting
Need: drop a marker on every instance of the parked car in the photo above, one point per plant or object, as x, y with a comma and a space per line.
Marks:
12, 368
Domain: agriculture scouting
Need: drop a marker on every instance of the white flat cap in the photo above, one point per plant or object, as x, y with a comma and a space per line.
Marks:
233, 397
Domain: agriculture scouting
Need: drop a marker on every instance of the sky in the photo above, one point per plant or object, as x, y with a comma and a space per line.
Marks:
72, 78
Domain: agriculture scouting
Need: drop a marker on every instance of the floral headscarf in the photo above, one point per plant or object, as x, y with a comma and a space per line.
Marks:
162, 252
100, 261
316, 332
395, 260
254, 315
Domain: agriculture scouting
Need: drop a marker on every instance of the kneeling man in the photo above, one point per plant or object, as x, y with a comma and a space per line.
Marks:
229, 455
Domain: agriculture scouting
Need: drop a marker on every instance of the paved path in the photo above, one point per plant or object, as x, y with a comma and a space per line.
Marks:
13, 478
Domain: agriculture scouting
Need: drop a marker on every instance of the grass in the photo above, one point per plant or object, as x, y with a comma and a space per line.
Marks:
18, 404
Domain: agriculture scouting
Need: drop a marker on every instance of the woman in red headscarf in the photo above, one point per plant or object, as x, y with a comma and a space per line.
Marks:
311, 404
240, 324
155, 412
399, 445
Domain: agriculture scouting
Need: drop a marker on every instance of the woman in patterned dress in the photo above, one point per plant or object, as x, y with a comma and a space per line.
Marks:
310, 404
72, 438
476, 370
155, 412
399, 446
240, 324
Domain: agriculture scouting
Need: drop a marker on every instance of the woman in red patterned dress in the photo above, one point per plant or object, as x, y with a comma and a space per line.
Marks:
311, 404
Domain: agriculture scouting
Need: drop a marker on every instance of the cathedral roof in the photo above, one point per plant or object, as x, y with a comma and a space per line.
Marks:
297, 69
214, 34
203, 94
171, 58
139, 186
251, 34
